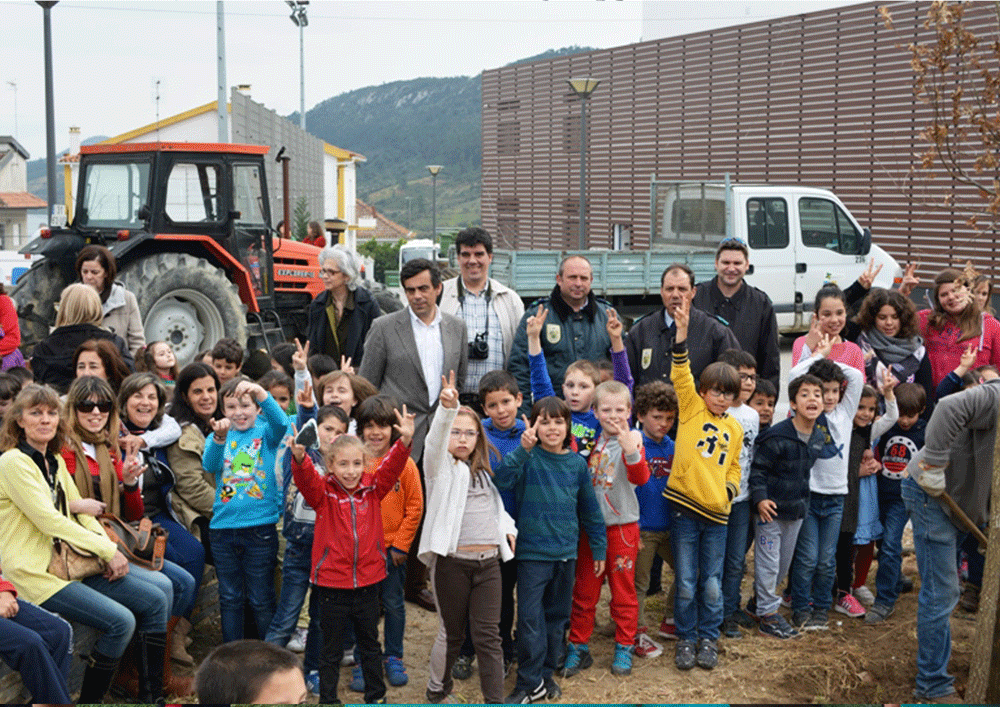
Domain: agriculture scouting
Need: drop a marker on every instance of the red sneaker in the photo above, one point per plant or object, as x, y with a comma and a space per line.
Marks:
646, 647
668, 629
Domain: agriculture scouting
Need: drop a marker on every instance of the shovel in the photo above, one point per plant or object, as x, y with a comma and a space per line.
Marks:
960, 514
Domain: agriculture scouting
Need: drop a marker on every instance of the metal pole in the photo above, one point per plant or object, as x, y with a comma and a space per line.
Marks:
220, 44
302, 76
583, 173
434, 206
50, 111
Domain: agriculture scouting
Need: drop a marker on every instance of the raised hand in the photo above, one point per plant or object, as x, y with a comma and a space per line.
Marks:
345, 364
405, 425
301, 356
969, 356
220, 429
910, 279
298, 450
682, 317
250, 388
304, 398
533, 324
868, 276
130, 444
529, 438
449, 393
824, 346
814, 334
889, 381
614, 325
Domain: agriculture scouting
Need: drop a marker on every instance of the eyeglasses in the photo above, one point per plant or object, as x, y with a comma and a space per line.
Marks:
471, 434
748, 376
90, 406
328, 272
733, 239
715, 392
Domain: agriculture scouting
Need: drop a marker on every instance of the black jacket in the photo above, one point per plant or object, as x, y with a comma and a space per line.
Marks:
649, 343
52, 359
365, 311
780, 469
750, 314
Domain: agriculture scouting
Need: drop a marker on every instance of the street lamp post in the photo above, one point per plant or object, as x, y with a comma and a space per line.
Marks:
434, 169
300, 20
583, 88
50, 111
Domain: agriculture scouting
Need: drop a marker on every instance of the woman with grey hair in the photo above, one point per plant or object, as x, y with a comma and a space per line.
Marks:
340, 316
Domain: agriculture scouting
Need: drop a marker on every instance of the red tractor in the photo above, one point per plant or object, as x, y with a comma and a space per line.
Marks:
190, 227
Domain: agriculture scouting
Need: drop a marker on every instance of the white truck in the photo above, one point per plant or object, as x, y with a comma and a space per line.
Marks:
799, 238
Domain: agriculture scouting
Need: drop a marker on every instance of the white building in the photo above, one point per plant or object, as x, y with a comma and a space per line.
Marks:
15, 200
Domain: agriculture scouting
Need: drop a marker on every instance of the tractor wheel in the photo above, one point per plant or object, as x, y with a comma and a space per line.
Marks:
185, 301
36, 294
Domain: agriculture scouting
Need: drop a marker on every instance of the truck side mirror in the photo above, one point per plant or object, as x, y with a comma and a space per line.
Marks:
750, 269
143, 213
233, 215
866, 242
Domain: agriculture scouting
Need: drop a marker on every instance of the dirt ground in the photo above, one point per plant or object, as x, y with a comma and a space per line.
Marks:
850, 663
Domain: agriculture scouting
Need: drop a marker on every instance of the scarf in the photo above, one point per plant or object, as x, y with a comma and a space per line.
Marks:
890, 349
108, 488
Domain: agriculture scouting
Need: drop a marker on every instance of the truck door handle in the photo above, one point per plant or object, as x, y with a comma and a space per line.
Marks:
800, 267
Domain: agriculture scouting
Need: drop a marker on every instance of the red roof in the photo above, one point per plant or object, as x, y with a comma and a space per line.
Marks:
21, 200
385, 228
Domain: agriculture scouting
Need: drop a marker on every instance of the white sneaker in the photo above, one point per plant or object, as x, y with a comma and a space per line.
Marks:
864, 595
348, 658
297, 643
646, 647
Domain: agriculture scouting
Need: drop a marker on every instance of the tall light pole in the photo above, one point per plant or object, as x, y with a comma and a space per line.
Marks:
50, 110
583, 88
300, 20
434, 169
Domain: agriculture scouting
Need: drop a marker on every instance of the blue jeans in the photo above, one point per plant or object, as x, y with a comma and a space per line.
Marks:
394, 607
893, 515
294, 585
544, 595
736, 555
814, 568
935, 540
39, 646
245, 559
173, 580
699, 548
185, 550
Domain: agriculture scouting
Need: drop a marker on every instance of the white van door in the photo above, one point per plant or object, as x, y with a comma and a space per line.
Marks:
828, 249
772, 251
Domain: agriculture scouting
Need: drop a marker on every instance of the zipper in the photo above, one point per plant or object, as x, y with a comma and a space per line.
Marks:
354, 529
318, 565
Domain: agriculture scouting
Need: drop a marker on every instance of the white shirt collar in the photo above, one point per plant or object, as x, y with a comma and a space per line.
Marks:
667, 318
415, 320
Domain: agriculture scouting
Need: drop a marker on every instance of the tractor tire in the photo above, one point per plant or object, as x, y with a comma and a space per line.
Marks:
185, 301
36, 294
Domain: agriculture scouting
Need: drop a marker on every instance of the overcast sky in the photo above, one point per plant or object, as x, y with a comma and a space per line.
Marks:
109, 56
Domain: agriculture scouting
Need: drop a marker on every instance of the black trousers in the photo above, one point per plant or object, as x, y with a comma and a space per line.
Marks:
338, 609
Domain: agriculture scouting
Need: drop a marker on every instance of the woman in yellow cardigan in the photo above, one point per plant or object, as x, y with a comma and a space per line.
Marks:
32, 476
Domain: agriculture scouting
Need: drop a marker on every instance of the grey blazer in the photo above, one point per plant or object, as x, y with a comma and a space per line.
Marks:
392, 365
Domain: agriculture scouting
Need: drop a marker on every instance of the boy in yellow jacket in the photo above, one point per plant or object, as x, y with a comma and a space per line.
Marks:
704, 480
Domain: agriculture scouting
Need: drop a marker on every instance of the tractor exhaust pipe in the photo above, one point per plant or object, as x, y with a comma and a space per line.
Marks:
286, 227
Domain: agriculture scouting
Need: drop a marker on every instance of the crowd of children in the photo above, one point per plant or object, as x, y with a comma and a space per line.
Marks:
525, 519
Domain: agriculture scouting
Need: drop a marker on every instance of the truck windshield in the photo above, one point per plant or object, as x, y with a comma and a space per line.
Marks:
825, 225
113, 194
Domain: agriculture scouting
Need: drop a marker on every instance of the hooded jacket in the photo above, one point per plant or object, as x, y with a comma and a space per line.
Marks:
121, 317
781, 464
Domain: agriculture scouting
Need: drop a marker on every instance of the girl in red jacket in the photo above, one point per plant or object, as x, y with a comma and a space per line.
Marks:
348, 553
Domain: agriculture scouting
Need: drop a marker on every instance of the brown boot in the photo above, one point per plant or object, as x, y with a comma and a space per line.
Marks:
178, 685
178, 644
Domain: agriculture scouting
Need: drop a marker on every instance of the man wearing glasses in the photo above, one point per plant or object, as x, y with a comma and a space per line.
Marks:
651, 338
744, 309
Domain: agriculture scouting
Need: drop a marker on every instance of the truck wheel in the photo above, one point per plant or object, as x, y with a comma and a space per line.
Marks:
185, 301
36, 294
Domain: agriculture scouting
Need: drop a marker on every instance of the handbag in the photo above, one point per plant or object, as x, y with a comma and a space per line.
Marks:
143, 542
67, 562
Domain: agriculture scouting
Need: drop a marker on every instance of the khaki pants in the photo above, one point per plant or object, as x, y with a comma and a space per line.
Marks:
653, 543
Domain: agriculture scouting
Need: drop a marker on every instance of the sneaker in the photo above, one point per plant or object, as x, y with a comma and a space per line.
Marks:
786, 599
552, 689
864, 595
877, 614
775, 626
578, 658
395, 671
437, 698
970, 598
731, 629
708, 654
744, 619
357, 683
646, 647
817, 621
522, 697
462, 669
622, 662
684, 657
297, 643
312, 681
348, 658
847, 604
752, 606
800, 617
905, 585
668, 629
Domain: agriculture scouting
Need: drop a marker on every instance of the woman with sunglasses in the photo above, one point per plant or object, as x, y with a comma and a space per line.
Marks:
107, 483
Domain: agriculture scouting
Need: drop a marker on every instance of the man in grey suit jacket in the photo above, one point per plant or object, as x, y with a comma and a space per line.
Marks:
407, 352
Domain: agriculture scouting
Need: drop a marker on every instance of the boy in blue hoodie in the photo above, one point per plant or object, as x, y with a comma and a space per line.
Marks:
241, 455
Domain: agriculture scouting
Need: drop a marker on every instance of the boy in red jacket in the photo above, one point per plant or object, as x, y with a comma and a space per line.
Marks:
348, 552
